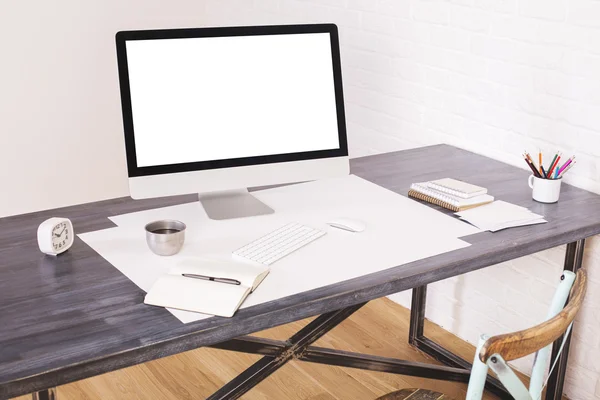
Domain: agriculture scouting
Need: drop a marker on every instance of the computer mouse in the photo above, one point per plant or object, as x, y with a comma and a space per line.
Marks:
347, 224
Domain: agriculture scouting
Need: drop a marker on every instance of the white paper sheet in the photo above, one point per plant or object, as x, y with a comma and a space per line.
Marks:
500, 215
399, 230
349, 196
515, 224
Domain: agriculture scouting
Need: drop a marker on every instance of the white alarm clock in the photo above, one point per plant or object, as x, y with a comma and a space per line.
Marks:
55, 235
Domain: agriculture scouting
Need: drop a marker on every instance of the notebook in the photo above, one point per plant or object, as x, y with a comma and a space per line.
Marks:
457, 188
208, 286
422, 191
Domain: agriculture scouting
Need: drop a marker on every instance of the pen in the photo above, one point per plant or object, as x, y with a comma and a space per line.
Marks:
210, 278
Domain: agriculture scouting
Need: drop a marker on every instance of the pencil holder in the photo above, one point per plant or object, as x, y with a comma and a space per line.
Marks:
545, 190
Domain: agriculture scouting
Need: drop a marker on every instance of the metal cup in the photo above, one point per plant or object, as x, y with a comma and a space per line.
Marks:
165, 237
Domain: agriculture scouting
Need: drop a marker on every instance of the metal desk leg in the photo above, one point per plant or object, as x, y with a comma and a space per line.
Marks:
280, 352
417, 314
48, 394
417, 338
573, 261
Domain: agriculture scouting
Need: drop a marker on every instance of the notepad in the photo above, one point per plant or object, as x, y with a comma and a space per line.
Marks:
205, 285
422, 191
457, 188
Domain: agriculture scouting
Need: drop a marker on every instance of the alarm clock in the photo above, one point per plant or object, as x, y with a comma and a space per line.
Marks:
55, 236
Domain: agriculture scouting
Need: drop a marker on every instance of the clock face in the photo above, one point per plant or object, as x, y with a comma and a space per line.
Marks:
61, 236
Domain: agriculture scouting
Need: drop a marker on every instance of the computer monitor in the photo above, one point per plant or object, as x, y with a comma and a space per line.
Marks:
217, 110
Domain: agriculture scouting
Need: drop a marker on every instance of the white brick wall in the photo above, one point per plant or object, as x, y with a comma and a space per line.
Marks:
492, 76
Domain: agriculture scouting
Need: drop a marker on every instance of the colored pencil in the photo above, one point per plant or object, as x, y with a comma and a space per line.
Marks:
531, 160
566, 169
551, 164
556, 160
566, 164
530, 164
554, 170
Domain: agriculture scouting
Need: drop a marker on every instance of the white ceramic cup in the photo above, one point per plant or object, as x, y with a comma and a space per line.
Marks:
545, 190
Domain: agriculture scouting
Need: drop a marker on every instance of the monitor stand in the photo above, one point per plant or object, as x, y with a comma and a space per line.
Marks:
232, 204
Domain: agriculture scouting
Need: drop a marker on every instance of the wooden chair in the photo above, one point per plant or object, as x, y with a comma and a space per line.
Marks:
494, 352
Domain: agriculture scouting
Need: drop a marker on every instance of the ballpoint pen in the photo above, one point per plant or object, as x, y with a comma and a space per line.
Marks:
210, 278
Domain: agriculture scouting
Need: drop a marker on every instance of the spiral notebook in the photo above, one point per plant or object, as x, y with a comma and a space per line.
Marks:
422, 191
457, 188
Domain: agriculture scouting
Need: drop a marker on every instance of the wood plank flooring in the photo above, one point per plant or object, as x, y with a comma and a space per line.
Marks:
380, 328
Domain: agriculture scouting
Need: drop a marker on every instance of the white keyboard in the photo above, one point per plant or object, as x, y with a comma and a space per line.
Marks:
279, 243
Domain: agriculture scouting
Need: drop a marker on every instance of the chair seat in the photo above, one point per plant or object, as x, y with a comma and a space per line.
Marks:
414, 394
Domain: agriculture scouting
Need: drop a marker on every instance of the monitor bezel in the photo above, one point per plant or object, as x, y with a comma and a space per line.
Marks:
135, 171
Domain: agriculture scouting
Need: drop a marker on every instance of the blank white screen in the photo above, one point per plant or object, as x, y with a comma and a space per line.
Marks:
201, 99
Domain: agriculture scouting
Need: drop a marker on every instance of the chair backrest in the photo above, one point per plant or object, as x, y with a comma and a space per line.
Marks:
494, 352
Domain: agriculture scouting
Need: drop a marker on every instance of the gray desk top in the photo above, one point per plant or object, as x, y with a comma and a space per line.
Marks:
70, 317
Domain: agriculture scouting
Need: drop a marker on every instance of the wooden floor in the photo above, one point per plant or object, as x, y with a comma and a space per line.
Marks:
380, 328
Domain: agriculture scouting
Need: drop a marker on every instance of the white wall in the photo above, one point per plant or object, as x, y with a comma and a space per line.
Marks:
60, 116
493, 76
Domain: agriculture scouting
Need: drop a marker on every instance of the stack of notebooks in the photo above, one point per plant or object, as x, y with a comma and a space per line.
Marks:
451, 194
472, 204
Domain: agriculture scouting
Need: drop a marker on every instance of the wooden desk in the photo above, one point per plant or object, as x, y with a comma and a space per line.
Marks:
75, 316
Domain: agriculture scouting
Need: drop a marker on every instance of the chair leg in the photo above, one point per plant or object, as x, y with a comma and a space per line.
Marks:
573, 261
478, 374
